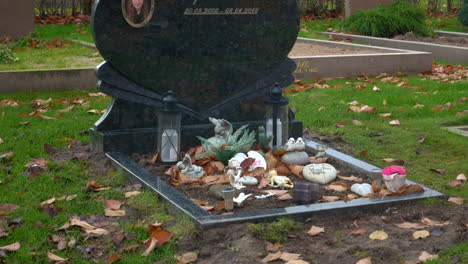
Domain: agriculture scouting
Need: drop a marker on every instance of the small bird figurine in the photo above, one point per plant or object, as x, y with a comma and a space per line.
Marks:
299, 145
290, 145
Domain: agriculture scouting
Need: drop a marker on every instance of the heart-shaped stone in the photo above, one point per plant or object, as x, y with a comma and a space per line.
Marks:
362, 189
322, 173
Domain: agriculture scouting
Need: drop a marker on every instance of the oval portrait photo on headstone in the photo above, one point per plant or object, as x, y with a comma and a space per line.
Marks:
137, 13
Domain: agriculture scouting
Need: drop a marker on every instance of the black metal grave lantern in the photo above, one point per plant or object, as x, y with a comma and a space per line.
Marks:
276, 118
169, 122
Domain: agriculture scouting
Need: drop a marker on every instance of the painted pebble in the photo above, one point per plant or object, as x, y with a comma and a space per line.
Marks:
322, 173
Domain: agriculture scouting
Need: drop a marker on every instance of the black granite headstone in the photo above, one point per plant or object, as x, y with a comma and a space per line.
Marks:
220, 57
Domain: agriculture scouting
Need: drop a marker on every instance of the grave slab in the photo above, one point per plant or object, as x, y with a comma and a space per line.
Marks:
205, 220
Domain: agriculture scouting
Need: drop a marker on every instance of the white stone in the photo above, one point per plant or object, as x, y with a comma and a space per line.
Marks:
248, 180
322, 173
362, 189
259, 160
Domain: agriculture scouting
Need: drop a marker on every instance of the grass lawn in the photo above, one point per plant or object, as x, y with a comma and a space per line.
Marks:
320, 109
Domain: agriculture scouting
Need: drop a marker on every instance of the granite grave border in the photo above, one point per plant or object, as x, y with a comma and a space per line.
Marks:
205, 220
452, 54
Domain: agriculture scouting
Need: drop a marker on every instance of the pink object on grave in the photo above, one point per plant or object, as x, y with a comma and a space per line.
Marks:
394, 177
390, 172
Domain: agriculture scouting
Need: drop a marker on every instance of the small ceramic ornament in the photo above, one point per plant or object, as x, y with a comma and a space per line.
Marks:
259, 160
295, 152
322, 173
241, 198
263, 196
186, 167
394, 177
362, 189
222, 131
279, 181
234, 172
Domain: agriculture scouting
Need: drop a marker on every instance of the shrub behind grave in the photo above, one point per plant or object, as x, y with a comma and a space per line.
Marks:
6, 55
388, 21
463, 14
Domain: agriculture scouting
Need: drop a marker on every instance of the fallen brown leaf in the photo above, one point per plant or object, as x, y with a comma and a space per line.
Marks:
430, 222
379, 235
290, 256
7, 208
130, 194
272, 257
351, 178
315, 230
13, 247
421, 234
408, 225
6, 155
455, 183
297, 261
285, 197
189, 257
113, 204
48, 202
66, 110
336, 188
367, 260
330, 198
358, 231
440, 171
54, 257
152, 244
426, 256
114, 213
113, 258
395, 123
296, 170
457, 200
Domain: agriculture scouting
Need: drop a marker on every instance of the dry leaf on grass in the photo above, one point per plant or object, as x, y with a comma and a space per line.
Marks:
297, 261
357, 123
395, 123
426, 256
351, 178
430, 222
152, 244
113, 204
421, 234
379, 235
96, 187
66, 110
54, 257
48, 202
440, 171
130, 194
13, 247
385, 115
85, 226
2, 141
367, 260
315, 230
6, 155
457, 200
461, 177
113, 258
114, 213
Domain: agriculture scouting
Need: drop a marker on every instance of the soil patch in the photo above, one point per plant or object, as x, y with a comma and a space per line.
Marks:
234, 244
444, 40
311, 49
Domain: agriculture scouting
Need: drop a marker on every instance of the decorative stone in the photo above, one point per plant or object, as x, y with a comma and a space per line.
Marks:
259, 160
362, 189
322, 173
394, 177
216, 191
248, 180
192, 171
298, 158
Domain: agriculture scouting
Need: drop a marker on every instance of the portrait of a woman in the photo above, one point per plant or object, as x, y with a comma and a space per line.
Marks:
137, 12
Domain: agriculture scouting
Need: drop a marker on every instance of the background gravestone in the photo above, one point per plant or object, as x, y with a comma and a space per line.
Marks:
221, 58
16, 18
352, 6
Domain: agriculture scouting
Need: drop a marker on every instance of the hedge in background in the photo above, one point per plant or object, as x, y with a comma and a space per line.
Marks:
463, 14
388, 21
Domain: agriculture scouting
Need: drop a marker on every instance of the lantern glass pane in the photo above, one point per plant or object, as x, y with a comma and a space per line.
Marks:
282, 123
169, 136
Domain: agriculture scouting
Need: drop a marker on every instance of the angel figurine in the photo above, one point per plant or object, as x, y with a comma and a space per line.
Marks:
234, 171
186, 167
223, 130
